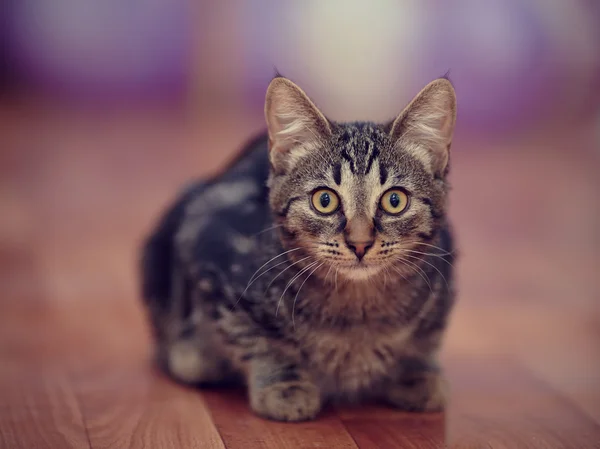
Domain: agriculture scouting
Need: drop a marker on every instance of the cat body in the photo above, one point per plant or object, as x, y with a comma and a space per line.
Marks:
317, 267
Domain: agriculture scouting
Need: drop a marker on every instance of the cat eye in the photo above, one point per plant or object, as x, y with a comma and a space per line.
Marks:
325, 201
394, 201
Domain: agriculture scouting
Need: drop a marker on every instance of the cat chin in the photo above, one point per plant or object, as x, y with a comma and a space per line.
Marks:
359, 272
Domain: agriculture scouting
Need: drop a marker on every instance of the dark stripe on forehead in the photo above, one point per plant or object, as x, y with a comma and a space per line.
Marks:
345, 137
372, 156
337, 173
285, 210
347, 157
383, 173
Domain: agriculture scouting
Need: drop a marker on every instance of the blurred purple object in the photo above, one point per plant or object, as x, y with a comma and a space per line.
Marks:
509, 62
258, 24
112, 50
497, 56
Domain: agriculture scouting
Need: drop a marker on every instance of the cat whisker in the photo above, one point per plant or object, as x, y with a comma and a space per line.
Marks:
373, 281
336, 276
284, 270
270, 228
400, 273
397, 270
298, 292
431, 265
265, 272
439, 256
418, 269
328, 271
256, 278
304, 270
271, 260
444, 252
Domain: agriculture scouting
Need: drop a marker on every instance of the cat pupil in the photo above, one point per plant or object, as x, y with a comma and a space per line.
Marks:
394, 200
325, 199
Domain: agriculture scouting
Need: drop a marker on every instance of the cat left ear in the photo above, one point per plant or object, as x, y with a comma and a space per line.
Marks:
295, 124
426, 125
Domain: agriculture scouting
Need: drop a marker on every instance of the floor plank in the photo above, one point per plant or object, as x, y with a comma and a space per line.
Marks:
138, 409
493, 401
406, 430
241, 429
39, 412
497, 402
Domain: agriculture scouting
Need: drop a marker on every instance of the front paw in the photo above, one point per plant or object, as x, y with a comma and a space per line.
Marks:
286, 401
427, 394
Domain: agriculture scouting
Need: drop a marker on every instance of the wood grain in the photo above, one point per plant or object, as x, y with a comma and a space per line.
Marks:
403, 430
39, 411
241, 429
78, 191
497, 402
136, 409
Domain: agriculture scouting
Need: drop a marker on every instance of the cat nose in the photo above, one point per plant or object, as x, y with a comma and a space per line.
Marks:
360, 248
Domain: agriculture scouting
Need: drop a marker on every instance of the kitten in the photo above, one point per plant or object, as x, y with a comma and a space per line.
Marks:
318, 266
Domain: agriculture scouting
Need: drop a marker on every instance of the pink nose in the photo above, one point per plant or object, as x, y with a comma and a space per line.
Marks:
360, 248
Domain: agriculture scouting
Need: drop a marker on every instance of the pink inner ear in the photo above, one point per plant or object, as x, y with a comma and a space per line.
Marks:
291, 115
426, 125
446, 126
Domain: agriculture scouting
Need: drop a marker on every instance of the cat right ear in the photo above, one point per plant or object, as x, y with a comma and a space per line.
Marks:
426, 125
295, 124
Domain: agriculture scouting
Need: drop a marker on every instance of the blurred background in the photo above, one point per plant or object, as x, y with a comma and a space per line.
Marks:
515, 63
108, 107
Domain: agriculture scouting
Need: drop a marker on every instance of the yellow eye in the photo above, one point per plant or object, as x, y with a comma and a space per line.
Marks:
325, 201
394, 201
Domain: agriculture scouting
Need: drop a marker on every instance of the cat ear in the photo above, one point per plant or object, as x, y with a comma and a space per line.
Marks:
426, 125
295, 124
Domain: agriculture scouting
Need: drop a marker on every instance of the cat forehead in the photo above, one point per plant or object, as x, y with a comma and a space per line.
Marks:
356, 135
359, 145
360, 154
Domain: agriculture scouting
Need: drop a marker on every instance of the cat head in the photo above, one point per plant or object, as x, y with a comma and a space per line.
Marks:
359, 197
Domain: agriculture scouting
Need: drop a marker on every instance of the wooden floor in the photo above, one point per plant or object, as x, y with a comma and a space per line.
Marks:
78, 191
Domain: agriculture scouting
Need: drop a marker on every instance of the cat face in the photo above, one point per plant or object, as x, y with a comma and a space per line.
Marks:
360, 198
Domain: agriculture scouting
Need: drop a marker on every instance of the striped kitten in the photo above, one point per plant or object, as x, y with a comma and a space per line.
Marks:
318, 266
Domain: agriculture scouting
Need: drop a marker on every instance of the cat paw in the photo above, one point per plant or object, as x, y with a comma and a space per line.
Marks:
425, 395
185, 362
188, 362
287, 401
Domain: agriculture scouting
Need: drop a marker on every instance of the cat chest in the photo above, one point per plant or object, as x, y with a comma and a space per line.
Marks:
353, 361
